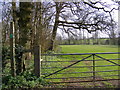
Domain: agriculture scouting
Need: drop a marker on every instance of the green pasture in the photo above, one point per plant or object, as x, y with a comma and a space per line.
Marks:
88, 48
82, 49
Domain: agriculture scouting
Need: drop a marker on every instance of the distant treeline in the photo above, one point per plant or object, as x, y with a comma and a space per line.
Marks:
90, 41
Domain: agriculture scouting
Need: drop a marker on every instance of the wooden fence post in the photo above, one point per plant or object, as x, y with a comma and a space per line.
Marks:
12, 48
37, 61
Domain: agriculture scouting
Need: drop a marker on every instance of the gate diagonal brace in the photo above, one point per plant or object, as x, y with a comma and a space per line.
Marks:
107, 60
68, 66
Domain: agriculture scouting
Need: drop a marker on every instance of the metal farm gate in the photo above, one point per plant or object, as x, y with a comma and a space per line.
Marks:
81, 69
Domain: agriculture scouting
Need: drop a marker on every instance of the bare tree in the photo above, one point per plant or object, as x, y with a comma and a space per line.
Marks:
87, 16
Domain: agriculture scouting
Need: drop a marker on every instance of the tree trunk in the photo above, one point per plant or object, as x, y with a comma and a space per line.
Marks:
51, 47
24, 27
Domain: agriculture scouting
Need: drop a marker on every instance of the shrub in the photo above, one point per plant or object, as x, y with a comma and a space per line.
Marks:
24, 80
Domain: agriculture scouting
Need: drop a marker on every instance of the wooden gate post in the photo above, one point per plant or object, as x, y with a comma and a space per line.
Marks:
37, 61
12, 48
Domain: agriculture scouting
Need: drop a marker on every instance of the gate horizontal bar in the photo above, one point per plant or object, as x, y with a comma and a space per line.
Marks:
81, 66
81, 77
84, 72
85, 81
80, 54
77, 60
69, 77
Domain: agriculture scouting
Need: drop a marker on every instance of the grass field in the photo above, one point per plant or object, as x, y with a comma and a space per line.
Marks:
88, 48
83, 49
